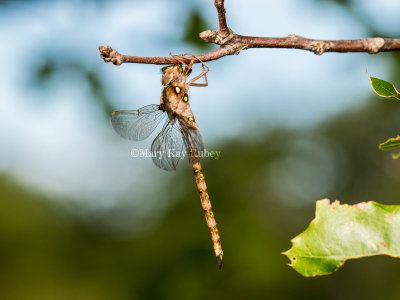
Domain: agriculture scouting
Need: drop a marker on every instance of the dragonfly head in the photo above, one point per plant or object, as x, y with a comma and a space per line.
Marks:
170, 74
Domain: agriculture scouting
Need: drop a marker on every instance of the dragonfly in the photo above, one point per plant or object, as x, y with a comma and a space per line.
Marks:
179, 133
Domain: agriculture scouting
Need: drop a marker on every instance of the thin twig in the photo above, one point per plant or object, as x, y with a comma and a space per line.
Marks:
111, 55
231, 43
223, 26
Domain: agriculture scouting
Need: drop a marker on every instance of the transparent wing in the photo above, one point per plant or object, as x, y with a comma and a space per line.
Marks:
137, 124
167, 145
197, 139
192, 138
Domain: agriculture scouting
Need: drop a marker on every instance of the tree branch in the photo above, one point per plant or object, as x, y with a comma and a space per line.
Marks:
369, 45
231, 43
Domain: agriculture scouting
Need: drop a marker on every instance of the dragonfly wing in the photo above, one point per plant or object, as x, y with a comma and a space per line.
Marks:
138, 124
198, 140
168, 146
192, 138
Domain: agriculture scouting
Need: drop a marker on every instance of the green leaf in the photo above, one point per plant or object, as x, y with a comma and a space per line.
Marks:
384, 88
342, 232
390, 144
396, 155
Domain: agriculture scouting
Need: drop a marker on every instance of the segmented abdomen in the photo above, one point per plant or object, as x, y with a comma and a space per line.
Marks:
206, 203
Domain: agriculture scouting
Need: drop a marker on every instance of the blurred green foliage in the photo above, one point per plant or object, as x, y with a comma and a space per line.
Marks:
341, 2
47, 254
47, 69
194, 24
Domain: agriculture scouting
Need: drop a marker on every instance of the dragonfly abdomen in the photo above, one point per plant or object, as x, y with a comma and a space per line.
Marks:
206, 204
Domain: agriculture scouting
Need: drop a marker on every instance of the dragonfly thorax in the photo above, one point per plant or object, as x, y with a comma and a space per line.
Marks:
175, 101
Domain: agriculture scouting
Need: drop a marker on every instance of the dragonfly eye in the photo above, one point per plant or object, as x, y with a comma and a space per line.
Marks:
164, 69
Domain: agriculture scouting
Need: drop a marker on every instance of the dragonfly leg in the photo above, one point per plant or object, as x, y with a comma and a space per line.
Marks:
206, 69
188, 68
182, 60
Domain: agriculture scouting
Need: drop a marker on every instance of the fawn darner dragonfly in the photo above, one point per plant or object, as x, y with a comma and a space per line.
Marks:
179, 132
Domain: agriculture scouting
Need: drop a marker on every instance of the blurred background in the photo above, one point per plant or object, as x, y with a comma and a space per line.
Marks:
81, 219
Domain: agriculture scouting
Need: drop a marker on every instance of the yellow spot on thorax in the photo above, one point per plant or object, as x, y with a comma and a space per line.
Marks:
177, 89
191, 119
185, 99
